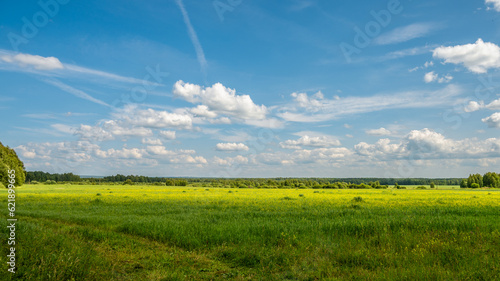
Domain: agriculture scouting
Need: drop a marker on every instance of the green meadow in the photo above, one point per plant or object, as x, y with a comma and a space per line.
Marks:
117, 232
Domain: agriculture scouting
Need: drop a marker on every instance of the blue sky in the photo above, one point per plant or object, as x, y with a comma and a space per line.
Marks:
241, 88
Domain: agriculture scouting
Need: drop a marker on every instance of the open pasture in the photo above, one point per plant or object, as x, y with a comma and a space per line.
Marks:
116, 232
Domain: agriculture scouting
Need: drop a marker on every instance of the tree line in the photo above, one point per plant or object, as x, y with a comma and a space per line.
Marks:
489, 179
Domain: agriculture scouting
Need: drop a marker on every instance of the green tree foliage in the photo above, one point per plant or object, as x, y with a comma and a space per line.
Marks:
9, 161
463, 183
476, 178
43, 177
491, 180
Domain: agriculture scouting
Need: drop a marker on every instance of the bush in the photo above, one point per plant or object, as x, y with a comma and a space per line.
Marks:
421, 187
358, 199
50, 182
474, 185
129, 182
34, 182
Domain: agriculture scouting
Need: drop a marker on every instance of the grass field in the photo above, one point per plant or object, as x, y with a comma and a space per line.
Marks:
111, 232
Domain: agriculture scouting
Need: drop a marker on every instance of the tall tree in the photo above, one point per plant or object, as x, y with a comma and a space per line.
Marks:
8, 162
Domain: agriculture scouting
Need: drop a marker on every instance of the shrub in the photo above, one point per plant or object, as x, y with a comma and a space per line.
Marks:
421, 187
50, 182
474, 185
358, 199
129, 182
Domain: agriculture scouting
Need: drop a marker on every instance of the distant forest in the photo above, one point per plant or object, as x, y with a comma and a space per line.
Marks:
473, 181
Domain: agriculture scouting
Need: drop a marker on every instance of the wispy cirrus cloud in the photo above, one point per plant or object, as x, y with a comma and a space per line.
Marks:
78, 93
53, 67
405, 33
194, 39
317, 109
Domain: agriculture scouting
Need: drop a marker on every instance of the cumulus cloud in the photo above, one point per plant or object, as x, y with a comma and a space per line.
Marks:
221, 100
320, 141
203, 111
495, 3
405, 33
493, 121
134, 122
313, 103
108, 130
428, 144
25, 152
37, 62
379, 132
494, 105
473, 106
151, 118
432, 76
477, 57
305, 156
231, 146
151, 141
132, 153
170, 135
230, 160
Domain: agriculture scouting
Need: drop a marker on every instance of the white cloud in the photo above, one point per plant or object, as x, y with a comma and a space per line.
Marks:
379, 132
329, 109
132, 153
230, 160
170, 135
52, 66
75, 92
94, 133
159, 150
153, 118
473, 106
151, 141
203, 111
26, 152
428, 144
426, 65
63, 128
231, 147
405, 33
320, 141
271, 123
221, 100
194, 39
495, 3
477, 57
431, 77
222, 120
381, 147
493, 121
37, 62
494, 105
